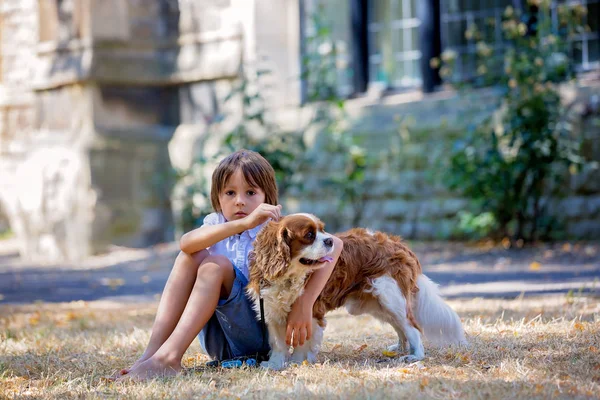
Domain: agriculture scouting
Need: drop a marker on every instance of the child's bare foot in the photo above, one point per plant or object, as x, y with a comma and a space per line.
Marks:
152, 368
118, 374
125, 371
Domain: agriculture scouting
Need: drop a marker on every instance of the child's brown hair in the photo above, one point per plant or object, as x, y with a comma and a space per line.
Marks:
257, 172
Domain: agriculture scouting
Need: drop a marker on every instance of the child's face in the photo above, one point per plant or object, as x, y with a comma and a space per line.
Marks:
238, 198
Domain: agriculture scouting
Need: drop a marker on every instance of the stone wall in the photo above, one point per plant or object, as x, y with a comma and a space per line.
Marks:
96, 99
409, 197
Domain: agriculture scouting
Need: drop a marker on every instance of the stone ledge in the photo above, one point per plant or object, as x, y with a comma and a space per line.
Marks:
15, 97
189, 61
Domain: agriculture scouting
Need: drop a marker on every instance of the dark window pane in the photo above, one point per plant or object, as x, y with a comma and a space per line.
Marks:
593, 16
382, 10
577, 51
414, 38
451, 6
398, 35
375, 43
594, 50
397, 10
416, 71
374, 72
456, 33
413, 8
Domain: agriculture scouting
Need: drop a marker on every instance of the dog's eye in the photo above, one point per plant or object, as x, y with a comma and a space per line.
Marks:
310, 235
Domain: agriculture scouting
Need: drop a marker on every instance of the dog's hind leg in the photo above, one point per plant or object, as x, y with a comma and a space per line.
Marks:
309, 350
394, 311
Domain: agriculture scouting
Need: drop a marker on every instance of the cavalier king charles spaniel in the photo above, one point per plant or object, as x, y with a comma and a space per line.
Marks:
376, 274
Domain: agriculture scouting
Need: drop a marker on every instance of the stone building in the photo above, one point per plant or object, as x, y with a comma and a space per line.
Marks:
100, 100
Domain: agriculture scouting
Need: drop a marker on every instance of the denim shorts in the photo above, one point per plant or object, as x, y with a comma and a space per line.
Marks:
234, 330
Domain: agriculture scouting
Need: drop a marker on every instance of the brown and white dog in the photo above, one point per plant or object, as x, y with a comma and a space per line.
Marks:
375, 274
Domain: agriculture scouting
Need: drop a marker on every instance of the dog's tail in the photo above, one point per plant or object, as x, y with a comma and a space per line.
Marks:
439, 322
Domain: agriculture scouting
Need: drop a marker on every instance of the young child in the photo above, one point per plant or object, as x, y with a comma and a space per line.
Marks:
205, 293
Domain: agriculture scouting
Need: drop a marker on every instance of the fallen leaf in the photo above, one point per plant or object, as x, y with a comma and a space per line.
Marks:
34, 319
361, 348
389, 353
305, 362
423, 383
71, 316
579, 326
539, 388
535, 266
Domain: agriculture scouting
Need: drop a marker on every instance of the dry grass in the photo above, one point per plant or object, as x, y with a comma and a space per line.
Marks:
531, 348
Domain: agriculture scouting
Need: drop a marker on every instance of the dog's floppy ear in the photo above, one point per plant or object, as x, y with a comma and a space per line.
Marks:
271, 254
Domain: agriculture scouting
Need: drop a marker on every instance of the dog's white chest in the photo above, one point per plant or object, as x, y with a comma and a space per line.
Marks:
279, 298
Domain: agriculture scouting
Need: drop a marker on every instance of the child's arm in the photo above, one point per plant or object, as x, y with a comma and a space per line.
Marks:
300, 317
205, 236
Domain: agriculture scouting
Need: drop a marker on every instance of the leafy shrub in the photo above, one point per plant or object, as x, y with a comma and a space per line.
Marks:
513, 166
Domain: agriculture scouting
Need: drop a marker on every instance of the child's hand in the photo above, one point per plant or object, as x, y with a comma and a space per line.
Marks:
261, 214
299, 323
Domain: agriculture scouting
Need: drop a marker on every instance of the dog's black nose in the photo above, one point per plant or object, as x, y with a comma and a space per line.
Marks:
328, 242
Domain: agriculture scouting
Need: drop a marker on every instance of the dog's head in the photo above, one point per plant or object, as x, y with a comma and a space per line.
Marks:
295, 244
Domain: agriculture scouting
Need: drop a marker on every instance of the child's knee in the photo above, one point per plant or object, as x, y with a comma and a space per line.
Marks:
191, 259
215, 263
200, 256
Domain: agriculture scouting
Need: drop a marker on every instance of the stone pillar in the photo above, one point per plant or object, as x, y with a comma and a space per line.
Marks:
87, 146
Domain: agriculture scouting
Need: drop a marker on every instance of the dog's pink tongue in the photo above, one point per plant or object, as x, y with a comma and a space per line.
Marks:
325, 259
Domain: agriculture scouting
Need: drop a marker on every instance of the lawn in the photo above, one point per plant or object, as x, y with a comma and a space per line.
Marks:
524, 348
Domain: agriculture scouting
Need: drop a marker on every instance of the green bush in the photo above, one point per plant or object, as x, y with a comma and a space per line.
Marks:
512, 166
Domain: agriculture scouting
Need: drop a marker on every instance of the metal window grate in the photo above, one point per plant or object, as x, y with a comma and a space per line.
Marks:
458, 15
586, 45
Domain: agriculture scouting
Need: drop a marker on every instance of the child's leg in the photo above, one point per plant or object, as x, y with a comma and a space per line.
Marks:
213, 280
172, 302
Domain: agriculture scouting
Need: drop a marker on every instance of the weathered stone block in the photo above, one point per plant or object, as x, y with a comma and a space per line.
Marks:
52, 205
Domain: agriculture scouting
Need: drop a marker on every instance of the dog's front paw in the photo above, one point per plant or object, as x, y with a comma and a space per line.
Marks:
276, 362
396, 348
275, 366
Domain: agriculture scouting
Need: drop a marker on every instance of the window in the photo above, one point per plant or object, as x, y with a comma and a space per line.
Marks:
586, 50
394, 51
337, 15
388, 43
458, 17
